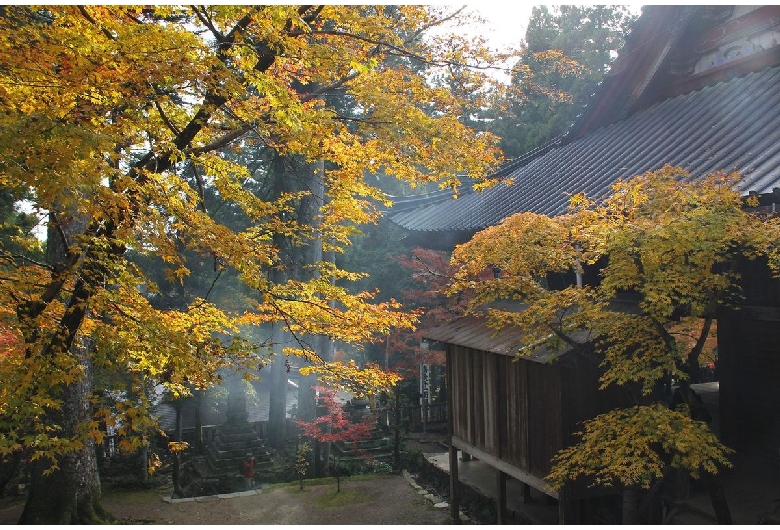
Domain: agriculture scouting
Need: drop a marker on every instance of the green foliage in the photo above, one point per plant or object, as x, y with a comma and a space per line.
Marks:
368, 467
588, 35
373, 252
302, 461
17, 238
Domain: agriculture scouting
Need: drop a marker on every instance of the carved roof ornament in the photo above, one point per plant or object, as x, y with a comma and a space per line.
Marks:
731, 38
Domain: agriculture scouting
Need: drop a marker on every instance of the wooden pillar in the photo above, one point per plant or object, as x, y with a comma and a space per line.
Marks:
630, 506
568, 508
501, 496
454, 486
454, 482
525, 492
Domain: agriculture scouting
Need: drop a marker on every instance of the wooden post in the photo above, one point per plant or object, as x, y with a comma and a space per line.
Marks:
525, 492
630, 506
568, 508
454, 486
454, 482
501, 496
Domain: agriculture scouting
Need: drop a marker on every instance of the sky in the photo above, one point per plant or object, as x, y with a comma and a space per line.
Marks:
507, 21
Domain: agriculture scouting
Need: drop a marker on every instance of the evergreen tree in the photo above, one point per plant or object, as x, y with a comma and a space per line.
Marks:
546, 108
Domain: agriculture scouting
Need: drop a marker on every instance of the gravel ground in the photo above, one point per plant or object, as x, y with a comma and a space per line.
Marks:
367, 500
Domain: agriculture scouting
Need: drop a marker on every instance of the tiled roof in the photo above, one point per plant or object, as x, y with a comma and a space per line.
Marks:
733, 125
473, 332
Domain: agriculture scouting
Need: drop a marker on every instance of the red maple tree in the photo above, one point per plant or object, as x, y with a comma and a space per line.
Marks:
432, 271
336, 425
9, 341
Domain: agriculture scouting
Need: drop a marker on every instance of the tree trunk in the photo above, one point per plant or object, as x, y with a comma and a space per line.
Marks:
714, 486
718, 498
630, 506
309, 210
319, 469
176, 474
145, 463
199, 445
338, 476
277, 406
397, 431
281, 337
72, 494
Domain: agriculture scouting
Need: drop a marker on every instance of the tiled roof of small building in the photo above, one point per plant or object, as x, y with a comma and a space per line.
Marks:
473, 332
733, 126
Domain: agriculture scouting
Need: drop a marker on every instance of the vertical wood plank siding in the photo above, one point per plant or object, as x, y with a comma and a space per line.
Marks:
545, 415
522, 411
509, 409
513, 418
490, 398
749, 370
460, 393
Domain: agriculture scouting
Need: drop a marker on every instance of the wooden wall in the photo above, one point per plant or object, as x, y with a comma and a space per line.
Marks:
749, 364
749, 374
510, 409
523, 412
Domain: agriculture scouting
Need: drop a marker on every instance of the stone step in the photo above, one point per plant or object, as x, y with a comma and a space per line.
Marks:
232, 465
239, 437
367, 444
381, 457
229, 448
238, 446
258, 451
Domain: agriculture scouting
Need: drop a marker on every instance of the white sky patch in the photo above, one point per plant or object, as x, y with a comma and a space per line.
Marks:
505, 23
43, 217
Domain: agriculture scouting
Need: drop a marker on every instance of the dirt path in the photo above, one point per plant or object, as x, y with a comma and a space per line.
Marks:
377, 499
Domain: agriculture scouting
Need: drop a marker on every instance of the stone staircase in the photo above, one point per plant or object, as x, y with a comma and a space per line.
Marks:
229, 448
377, 448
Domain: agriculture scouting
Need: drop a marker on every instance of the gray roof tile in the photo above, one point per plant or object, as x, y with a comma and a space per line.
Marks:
732, 126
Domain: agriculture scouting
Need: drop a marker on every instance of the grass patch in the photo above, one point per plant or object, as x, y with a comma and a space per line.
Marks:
325, 480
291, 489
131, 495
367, 476
296, 484
341, 498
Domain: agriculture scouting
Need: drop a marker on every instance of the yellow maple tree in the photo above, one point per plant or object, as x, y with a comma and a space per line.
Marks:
117, 119
668, 246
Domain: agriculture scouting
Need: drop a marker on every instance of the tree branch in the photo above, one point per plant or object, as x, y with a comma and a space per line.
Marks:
206, 21
165, 119
220, 142
19, 257
85, 14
